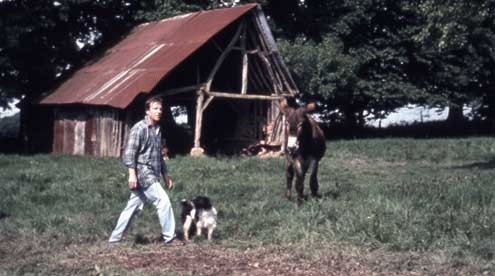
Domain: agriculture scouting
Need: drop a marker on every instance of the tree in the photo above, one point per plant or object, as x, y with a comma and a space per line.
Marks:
456, 52
44, 41
358, 62
159, 9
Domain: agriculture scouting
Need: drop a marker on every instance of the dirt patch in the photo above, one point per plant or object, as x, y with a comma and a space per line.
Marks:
213, 259
205, 258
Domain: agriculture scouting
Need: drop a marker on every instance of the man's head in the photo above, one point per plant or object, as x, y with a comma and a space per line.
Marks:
153, 107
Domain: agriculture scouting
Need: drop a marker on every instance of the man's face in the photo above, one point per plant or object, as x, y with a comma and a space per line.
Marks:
154, 113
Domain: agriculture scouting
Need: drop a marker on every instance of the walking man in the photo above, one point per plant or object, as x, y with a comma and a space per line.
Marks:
143, 158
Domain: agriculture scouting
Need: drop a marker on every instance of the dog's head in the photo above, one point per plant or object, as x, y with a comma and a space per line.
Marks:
202, 202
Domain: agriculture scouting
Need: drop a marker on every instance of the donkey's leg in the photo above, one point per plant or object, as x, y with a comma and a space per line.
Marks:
313, 181
300, 188
300, 170
289, 173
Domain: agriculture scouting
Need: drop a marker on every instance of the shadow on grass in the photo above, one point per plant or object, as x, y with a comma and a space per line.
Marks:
3, 215
487, 165
331, 194
340, 190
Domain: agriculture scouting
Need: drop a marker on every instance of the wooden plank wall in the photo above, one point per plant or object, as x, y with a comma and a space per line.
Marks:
91, 131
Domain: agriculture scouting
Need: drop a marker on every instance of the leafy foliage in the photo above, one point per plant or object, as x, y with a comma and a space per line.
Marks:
360, 59
43, 41
356, 58
456, 45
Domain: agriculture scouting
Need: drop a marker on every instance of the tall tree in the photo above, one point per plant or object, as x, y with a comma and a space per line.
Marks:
368, 74
456, 52
43, 41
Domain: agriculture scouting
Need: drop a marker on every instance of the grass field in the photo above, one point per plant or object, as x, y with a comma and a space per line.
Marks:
394, 206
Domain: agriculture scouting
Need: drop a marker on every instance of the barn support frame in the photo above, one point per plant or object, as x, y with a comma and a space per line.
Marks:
262, 75
205, 98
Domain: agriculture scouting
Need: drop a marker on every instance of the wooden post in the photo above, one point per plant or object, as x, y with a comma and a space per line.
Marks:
197, 150
244, 63
284, 134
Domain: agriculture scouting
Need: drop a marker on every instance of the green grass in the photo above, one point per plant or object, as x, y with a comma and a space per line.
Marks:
397, 195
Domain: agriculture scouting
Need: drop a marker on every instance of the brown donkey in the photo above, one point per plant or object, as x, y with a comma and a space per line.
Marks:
305, 146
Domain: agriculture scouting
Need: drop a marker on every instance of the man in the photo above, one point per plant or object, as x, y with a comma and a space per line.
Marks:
143, 158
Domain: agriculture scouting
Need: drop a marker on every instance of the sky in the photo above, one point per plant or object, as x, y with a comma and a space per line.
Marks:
9, 112
410, 114
401, 116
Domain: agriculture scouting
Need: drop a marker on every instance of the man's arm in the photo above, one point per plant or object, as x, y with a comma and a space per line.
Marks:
168, 181
132, 179
166, 177
130, 155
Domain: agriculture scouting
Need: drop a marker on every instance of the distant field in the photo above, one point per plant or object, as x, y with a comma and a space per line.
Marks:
394, 206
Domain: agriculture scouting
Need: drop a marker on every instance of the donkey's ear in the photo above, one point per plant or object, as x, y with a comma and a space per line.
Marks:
310, 107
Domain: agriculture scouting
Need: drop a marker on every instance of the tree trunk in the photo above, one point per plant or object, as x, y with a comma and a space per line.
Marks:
490, 102
351, 123
455, 113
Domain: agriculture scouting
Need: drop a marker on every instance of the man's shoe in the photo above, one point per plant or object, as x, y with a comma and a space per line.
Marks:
114, 244
174, 242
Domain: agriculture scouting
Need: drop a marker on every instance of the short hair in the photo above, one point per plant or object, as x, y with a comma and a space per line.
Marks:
154, 99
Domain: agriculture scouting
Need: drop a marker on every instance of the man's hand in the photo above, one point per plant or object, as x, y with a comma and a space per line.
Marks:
168, 182
132, 179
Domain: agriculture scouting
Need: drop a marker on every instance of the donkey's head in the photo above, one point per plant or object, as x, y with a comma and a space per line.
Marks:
297, 124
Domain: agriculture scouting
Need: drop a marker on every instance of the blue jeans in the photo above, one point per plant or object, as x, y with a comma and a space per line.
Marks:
159, 198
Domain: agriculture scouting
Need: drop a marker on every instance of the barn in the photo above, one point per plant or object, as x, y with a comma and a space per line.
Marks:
219, 69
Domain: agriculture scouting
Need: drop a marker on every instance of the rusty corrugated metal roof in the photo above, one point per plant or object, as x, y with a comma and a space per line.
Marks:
139, 61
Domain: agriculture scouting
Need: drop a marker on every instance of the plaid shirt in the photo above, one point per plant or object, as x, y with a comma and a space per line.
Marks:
143, 153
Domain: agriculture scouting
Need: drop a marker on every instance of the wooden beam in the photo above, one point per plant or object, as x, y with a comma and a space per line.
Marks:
263, 36
271, 73
259, 71
244, 97
207, 102
217, 46
179, 90
257, 67
270, 50
223, 56
251, 52
199, 118
282, 70
244, 63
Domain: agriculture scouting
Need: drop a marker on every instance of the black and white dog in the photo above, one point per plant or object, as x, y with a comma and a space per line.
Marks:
198, 214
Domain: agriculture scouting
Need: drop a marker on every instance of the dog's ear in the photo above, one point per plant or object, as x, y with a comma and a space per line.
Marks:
184, 203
